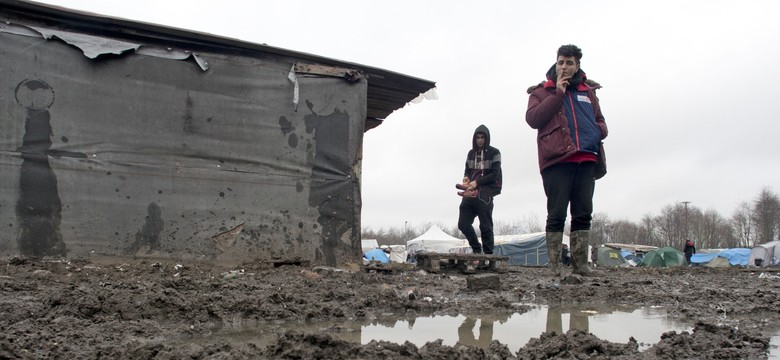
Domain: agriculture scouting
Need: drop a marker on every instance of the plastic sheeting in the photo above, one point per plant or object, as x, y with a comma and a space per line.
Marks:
524, 250
141, 155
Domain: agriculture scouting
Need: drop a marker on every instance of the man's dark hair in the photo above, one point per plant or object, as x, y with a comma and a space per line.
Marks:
570, 50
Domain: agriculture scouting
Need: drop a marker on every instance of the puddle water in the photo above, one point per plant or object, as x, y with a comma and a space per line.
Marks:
645, 324
774, 347
515, 330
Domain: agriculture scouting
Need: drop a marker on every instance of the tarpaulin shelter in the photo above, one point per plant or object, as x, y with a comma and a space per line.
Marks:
736, 256
377, 255
765, 254
434, 240
523, 249
701, 258
127, 138
722, 257
664, 257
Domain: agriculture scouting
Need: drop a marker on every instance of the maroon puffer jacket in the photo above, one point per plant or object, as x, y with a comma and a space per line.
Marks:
545, 114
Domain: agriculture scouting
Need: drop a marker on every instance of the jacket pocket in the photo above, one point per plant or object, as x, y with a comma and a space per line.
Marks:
553, 143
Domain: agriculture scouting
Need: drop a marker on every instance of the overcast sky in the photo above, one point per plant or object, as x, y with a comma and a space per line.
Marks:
689, 92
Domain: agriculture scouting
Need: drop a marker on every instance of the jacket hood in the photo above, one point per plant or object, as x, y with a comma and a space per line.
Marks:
480, 129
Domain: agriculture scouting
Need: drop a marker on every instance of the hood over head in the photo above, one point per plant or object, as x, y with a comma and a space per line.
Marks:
480, 129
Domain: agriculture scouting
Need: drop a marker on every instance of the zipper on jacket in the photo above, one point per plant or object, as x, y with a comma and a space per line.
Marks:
574, 121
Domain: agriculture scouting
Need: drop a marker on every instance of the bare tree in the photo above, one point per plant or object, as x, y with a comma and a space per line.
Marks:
649, 232
766, 215
530, 223
626, 232
504, 228
670, 225
599, 228
453, 231
742, 226
711, 230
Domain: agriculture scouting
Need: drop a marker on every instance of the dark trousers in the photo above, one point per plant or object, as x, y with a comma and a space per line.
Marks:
469, 209
569, 183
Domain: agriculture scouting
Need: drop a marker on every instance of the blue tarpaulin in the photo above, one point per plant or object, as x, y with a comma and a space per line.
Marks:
735, 256
378, 255
703, 258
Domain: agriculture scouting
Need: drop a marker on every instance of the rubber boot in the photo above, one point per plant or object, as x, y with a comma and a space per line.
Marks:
554, 240
579, 252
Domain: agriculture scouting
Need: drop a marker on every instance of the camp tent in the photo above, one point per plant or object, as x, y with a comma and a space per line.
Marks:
434, 240
122, 138
522, 249
609, 257
664, 257
764, 254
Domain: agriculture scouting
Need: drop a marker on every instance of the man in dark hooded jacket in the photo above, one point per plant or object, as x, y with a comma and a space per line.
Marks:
481, 182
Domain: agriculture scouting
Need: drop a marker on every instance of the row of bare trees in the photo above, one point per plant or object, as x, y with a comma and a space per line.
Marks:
751, 223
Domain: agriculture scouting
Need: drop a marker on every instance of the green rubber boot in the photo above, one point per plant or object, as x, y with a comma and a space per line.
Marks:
554, 240
579, 252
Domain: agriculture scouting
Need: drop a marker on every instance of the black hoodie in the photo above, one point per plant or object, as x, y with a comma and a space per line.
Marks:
484, 166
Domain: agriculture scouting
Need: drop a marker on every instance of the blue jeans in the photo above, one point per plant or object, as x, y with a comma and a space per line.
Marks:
569, 183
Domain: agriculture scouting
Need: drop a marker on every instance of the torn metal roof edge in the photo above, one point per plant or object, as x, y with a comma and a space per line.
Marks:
387, 90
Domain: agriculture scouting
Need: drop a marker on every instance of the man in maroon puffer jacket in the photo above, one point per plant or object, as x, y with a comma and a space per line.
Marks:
566, 113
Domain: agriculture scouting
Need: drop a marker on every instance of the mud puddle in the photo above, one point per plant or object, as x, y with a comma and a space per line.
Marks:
617, 325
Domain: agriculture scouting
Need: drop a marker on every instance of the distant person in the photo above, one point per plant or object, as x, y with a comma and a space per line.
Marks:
689, 250
565, 255
481, 182
565, 112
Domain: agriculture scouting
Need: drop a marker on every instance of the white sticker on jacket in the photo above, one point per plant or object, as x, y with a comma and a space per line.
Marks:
583, 98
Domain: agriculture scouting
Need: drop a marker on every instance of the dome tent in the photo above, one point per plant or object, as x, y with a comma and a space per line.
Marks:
664, 257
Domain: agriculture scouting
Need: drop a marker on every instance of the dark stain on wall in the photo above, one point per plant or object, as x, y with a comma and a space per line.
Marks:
188, 125
331, 190
149, 235
38, 208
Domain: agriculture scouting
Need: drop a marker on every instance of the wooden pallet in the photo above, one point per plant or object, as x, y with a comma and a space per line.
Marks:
464, 262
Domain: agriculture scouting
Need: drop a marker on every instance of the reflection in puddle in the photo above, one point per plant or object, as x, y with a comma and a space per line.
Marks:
515, 330
774, 347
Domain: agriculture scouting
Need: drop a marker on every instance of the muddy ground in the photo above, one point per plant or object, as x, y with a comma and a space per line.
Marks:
162, 309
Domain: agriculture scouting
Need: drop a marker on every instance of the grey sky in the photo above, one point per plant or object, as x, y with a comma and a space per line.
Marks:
687, 92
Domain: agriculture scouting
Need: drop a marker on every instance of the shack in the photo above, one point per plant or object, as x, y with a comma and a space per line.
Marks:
121, 138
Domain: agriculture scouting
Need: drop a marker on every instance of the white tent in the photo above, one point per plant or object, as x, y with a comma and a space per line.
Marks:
767, 253
397, 253
368, 244
434, 240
